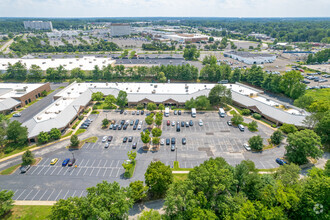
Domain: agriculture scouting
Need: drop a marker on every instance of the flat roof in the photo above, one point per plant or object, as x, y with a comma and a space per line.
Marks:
84, 63
248, 54
16, 90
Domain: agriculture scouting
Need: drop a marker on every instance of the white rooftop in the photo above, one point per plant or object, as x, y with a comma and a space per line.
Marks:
85, 63
16, 90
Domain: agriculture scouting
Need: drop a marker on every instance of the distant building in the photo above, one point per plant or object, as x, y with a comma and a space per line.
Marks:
251, 58
184, 38
38, 25
120, 29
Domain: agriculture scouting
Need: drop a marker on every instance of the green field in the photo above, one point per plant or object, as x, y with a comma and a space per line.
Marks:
29, 212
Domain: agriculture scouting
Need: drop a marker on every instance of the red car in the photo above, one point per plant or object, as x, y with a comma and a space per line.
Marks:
168, 123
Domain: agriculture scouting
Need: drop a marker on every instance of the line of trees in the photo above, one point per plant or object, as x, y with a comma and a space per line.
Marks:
319, 57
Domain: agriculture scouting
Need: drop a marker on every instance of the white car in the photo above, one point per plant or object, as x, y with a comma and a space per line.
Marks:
162, 141
200, 122
173, 123
106, 145
17, 115
140, 123
104, 139
247, 147
139, 127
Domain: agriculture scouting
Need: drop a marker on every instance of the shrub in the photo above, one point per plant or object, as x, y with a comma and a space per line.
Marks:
80, 117
257, 116
276, 137
27, 157
255, 142
288, 128
246, 112
253, 126
74, 141
140, 106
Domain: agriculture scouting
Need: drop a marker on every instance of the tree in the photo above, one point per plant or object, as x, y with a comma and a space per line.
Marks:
237, 119
253, 126
6, 202
151, 106
303, 144
27, 158
191, 53
161, 77
43, 137
149, 119
246, 111
138, 190
69, 208
78, 73
288, 174
17, 71
105, 122
256, 116
276, 137
158, 178
288, 128
156, 132
255, 142
110, 100
35, 73
74, 141
97, 96
155, 140
290, 84
97, 73
219, 94
55, 133
17, 133
122, 99
159, 120
323, 128
202, 102
161, 107
145, 138
236, 77
150, 215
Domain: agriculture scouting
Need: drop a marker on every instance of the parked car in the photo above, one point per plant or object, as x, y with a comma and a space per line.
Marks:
17, 115
280, 161
132, 123
179, 112
125, 126
106, 145
200, 122
134, 127
241, 127
125, 140
229, 123
172, 147
136, 121
139, 127
83, 127
122, 111
111, 127
182, 124
191, 123
110, 138
168, 141
184, 141
162, 141
133, 112
142, 112
119, 127
71, 162
175, 112
130, 139
137, 112
115, 127
134, 145
53, 161
247, 147
65, 162
172, 140
25, 168
122, 122
173, 123
104, 139
168, 123
187, 124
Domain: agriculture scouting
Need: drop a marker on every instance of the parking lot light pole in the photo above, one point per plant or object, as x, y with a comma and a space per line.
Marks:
72, 155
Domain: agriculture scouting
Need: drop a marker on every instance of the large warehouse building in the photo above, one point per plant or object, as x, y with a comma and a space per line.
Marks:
72, 100
120, 29
251, 58
14, 96
38, 25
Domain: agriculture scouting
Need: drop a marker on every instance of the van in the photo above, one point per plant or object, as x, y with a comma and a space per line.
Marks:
193, 112
167, 112
241, 127
222, 112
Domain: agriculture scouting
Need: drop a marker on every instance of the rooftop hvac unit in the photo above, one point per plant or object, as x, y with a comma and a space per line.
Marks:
72, 88
106, 84
57, 104
43, 62
39, 118
94, 86
46, 112
70, 62
91, 84
64, 64
80, 93
81, 65
186, 90
153, 91
126, 88
64, 98
53, 59
267, 100
78, 84
57, 112
90, 61
205, 86
77, 59
94, 59
85, 58
69, 93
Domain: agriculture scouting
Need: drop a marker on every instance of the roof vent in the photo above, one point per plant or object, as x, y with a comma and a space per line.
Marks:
39, 118
57, 104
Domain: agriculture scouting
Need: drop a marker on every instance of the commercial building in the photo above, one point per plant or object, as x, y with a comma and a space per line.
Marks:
38, 25
72, 100
251, 58
84, 63
184, 38
120, 29
16, 95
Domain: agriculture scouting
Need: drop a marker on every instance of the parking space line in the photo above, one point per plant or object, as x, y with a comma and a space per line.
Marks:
66, 194
60, 170
81, 193
36, 194
111, 163
99, 163
98, 171
105, 163
20, 194
47, 170
85, 171
34, 170
111, 171
105, 170
117, 163
53, 171
43, 194
92, 171
40, 170
28, 194
117, 172
49, 195
87, 162
81, 162
74, 193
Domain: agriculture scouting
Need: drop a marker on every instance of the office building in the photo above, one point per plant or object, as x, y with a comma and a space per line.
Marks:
38, 25
120, 29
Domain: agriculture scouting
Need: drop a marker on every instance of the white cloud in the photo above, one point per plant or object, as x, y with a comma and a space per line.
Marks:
164, 8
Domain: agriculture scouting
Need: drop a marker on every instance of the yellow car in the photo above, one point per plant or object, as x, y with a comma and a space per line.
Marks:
53, 161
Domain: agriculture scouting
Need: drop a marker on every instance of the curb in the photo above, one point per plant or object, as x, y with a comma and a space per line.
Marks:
33, 202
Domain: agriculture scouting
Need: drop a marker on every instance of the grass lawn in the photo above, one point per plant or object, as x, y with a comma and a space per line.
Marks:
90, 139
29, 212
66, 135
10, 170
177, 167
80, 131
18, 150
180, 176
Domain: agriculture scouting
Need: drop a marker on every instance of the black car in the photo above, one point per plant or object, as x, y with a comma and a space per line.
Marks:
122, 111
173, 141
134, 127
125, 140
115, 127
125, 126
23, 169
122, 122
178, 128
191, 123
83, 127
142, 112
179, 112
119, 127
71, 162
132, 123
168, 141
184, 140
134, 145
182, 124
137, 122
109, 138
130, 139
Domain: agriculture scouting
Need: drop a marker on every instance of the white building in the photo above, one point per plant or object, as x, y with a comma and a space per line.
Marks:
251, 58
120, 29
38, 25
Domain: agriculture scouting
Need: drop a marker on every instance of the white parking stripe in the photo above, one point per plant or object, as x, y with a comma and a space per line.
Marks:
28, 194
81, 193
91, 172
117, 164
43, 194
53, 171
79, 170
60, 170
36, 194
98, 172
34, 170
85, 171
105, 170
117, 173
50, 195
47, 170
40, 170
74, 193
66, 194
111, 171
111, 163
20, 194
58, 195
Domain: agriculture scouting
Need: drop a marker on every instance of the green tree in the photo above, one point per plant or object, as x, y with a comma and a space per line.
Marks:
255, 75
122, 99
149, 119
78, 73
253, 126
110, 100
255, 142
161, 77
303, 144
55, 133
105, 122
97, 96
156, 132
246, 111
236, 76
155, 140
17, 71
191, 53
145, 138
219, 94
151, 106
304, 101
288, 128
97, 73
288, 174
6, 202
43, 137
27, 158
202, 102
158, 178
237, 119
74, 141
276, 137
69, 208
291, 85
150, 215
161, 107
323, 128
138, 190
17, 133
35, 73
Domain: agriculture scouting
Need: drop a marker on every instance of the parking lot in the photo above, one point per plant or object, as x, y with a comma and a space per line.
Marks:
96, 163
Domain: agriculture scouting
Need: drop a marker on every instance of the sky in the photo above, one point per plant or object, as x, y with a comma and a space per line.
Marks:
164, 8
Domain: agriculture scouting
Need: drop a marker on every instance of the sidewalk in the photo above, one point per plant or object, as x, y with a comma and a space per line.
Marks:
28, 202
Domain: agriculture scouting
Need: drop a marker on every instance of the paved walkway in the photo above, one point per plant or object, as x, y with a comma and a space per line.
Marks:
27, 202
